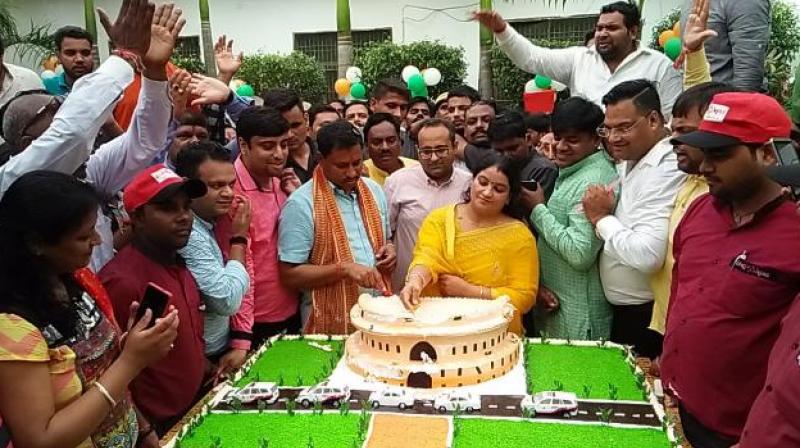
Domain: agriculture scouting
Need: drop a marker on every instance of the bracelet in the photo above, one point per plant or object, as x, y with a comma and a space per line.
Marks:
131, 57
238, 240
102, 389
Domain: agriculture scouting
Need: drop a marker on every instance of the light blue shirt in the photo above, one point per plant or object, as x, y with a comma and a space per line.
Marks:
221, 285
296, 228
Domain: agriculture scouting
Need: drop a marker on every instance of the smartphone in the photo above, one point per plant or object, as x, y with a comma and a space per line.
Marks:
787, 154
530, 185
157, 300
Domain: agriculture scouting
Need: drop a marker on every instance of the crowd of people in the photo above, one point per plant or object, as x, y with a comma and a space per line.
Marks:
645, 209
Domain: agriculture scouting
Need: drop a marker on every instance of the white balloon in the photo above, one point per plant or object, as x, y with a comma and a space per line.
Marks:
409, 71
353, 74
47, 74
59, 69
557, 86
432, 76
530, 86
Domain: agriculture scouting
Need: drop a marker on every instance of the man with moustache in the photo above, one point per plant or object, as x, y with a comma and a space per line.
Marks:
382, 137
157, 201
478, 117
303, 157
413, 192
222, 283
616, 56
74, 52
736, 272
337, 205
635, 233
268, 307
419, 109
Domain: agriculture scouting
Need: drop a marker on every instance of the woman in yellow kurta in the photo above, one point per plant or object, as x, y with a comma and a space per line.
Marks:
478, 248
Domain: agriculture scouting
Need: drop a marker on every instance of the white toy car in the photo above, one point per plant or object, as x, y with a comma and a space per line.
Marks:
253, 392
324, 394
564, 403
391, 396
449, 401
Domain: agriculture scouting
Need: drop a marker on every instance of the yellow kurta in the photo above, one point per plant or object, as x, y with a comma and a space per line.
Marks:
661, 282
378, 175
502, 258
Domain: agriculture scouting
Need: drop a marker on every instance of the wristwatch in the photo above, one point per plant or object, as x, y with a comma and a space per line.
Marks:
238, 239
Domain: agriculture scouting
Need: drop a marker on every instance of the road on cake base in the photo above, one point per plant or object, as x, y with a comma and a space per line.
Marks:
627, 412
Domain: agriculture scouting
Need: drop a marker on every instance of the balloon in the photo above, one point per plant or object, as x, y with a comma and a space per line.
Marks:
543, 82
358, 91
432, 76
673, 48
677, 29
665, 36
353, 74
47, 74
420, 93
530, 86
416, 82
342, 87
409, 71
245, 90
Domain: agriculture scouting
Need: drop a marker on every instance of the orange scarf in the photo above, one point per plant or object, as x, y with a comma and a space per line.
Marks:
331, 304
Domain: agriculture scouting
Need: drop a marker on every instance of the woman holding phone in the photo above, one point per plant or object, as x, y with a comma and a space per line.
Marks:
65, 364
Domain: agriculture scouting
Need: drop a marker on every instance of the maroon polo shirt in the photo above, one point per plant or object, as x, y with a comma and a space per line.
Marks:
167, 387
731, 286
774, 420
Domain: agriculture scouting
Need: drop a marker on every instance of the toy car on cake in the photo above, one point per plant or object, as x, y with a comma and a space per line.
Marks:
464, 401
254, 391
551, 403
392, 396
324, 394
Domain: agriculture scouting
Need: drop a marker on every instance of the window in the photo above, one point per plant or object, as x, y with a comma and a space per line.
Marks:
465, 349
459, 371
322, 47
188, 47
569, 30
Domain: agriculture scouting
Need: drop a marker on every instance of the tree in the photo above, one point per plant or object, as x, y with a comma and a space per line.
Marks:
344, 37
486, 42
208, 41
91, 28
37, 42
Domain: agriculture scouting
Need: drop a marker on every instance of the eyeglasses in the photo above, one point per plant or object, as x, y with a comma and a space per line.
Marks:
606, 132
427, 154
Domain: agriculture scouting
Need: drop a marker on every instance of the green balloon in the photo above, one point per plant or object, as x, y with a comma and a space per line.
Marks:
416, 83
358, 91
542, 82
421, 93
245, 90
673, 48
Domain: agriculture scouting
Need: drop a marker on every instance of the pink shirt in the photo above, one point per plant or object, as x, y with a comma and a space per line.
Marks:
267, 300
411, 196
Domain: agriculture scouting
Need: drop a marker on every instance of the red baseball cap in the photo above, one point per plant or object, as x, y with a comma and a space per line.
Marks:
159, 183
735, 118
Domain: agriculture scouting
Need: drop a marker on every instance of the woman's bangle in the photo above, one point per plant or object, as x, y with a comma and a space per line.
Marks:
103, 391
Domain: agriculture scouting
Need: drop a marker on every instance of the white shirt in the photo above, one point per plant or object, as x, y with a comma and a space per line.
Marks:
635, 236
67, 143
585, 72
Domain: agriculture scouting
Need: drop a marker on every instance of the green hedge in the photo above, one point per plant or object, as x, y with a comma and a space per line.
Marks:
386, 59
295, 71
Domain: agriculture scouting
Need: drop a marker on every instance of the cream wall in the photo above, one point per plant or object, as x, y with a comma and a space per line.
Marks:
268, 25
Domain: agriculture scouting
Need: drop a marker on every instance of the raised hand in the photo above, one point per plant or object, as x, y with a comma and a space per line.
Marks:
208, 90
131, 30
241, 216
490, 19
696, 31
166, 26
227, 62
179, 91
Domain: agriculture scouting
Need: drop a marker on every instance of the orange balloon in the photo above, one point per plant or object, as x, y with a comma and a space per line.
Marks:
342, 87
665, 36
677, 29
